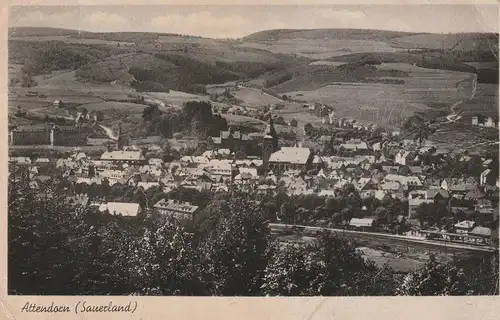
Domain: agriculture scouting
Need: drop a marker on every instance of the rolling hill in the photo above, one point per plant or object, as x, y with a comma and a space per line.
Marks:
327, 43
373, 75
155, 62
352, 34
39, 31
315, 77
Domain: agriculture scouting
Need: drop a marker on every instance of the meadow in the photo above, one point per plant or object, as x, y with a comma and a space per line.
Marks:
255, 98
107, 105
390, 104
72, 39
321, 48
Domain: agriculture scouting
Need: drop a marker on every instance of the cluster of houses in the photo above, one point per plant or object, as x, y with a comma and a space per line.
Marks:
294, 170
485, 122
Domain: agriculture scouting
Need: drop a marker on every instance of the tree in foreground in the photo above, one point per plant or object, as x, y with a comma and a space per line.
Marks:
435, 279
236, 249
329, 266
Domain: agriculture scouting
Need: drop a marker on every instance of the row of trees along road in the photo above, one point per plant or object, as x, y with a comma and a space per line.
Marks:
57, 249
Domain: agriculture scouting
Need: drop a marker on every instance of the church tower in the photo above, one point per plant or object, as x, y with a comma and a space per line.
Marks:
119, 140
270, 143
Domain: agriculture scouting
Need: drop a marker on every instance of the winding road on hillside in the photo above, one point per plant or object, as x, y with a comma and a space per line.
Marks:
109, 132
455, 108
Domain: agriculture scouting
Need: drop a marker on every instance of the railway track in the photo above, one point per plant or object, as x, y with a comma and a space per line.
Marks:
386, 239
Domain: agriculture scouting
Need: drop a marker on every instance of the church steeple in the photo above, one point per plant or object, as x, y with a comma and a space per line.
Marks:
270, 143
270, 128
119, 140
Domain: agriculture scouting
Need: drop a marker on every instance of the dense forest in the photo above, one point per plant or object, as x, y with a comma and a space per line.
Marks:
195, 118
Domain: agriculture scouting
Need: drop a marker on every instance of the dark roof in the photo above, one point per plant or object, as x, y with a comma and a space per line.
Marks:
38, 127
42, 178
473, 194
431, 193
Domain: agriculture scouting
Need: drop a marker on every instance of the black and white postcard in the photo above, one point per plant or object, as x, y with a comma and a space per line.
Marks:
249, 150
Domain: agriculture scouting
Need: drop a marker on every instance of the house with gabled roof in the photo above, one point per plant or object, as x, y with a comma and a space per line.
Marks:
390, 186
291, 158
184, 211
20, 160
487, 177
129, 157
465, 226
363, 183
147, 185
403, 157
121, 208
437, 194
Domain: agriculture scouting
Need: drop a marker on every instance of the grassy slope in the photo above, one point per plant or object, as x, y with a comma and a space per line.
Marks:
315, 77
228, 58
39, 31
459, 41
159, 61
358, 34
406, 40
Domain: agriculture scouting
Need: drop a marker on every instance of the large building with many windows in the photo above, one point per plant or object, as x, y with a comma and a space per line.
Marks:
31, 135
291, 158
48, 135
182, 211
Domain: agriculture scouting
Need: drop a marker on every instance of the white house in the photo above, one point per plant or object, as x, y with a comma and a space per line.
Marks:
155, 162
121, 208
465, 226
489, 122
486, 177
475, 121
133, 157
402, 157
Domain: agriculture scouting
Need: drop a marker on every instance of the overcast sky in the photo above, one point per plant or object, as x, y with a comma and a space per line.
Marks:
238, 21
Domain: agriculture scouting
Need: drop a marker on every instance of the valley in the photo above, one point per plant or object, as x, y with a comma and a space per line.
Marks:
374, 77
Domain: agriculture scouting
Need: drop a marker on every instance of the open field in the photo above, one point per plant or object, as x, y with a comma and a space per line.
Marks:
463, 133
390, 104
66, 84
175, 98
255, 98
325, 43
72, 39
245, 121
321, 48
485, 101
483, 65
399, 264
104, 106
385, 94
28, 103
379, 103
326, 63
468, 41
295, 111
